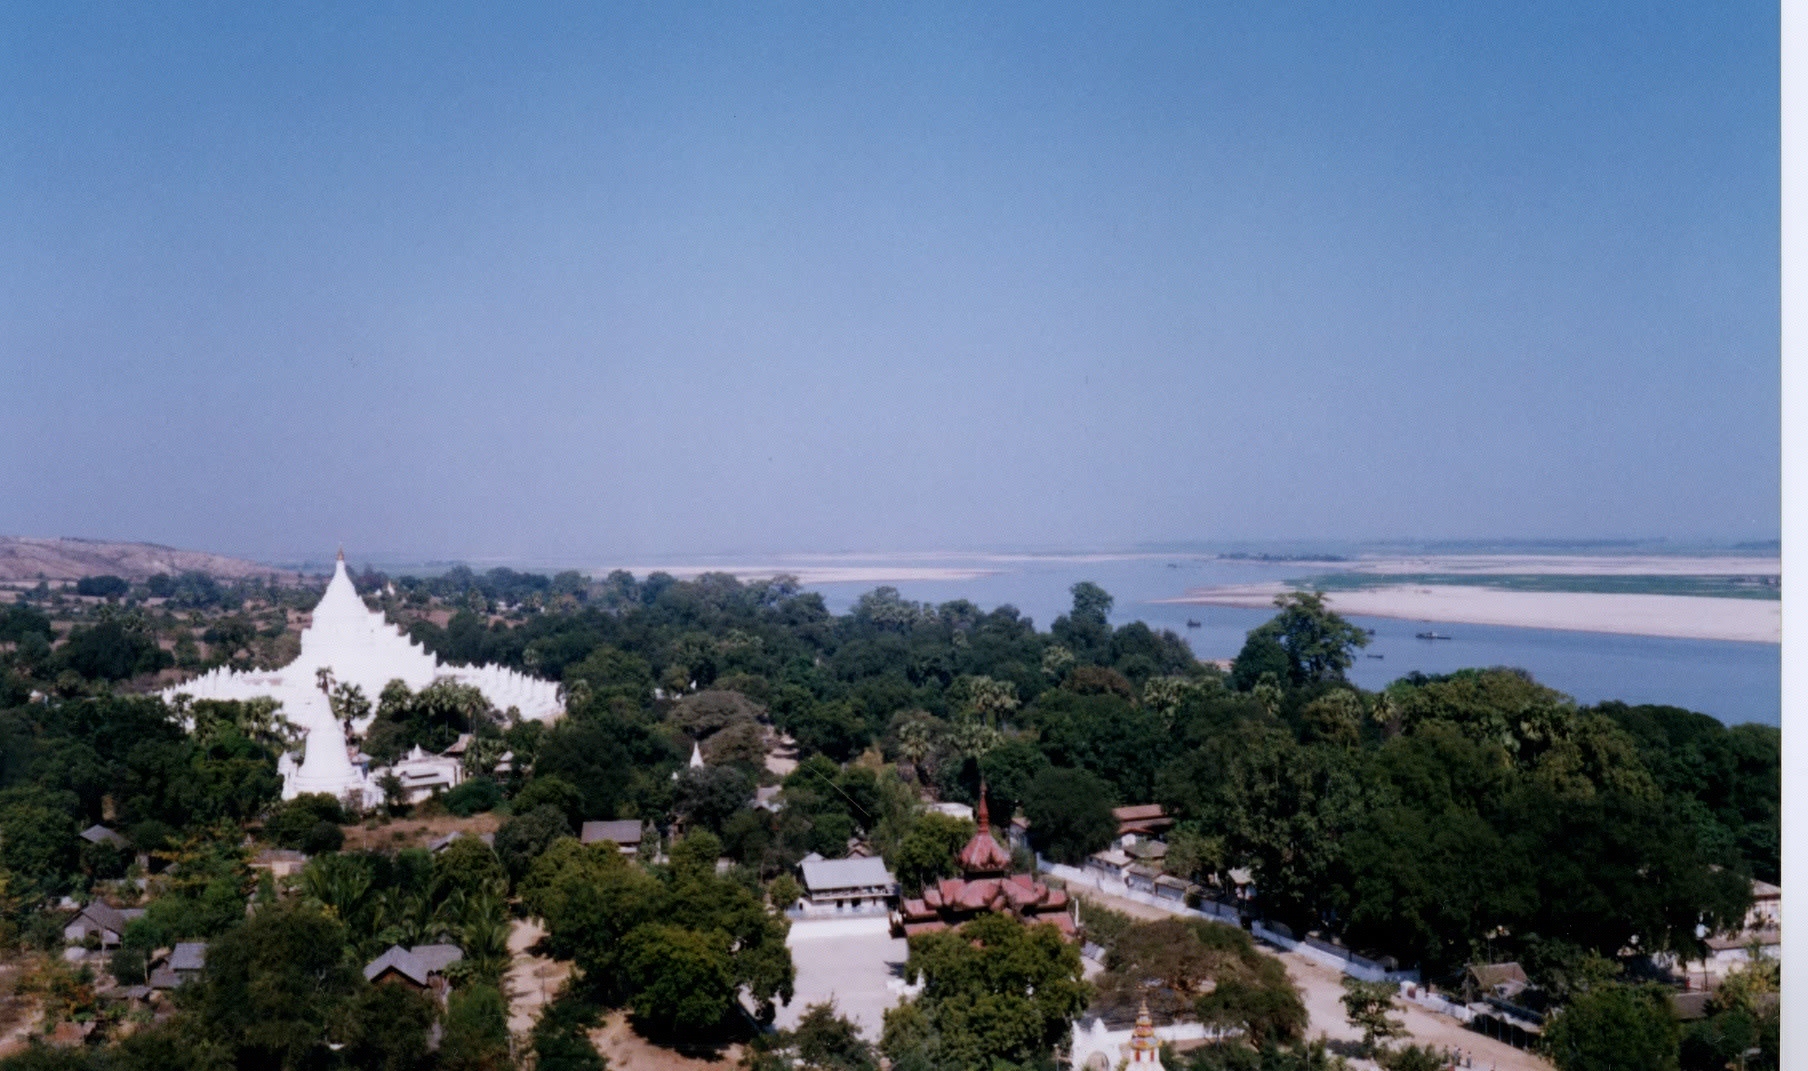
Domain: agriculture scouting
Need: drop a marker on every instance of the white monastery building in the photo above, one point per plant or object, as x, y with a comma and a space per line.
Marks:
357, 645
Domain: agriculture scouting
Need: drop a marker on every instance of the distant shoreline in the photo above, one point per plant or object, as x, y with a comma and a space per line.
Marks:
815, 574
1672, 616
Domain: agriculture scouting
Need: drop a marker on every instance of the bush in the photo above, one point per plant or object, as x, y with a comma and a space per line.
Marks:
524, 837
103, 587
290, 823
322, 838
784, 891
477, 794
128, 965
561, 1036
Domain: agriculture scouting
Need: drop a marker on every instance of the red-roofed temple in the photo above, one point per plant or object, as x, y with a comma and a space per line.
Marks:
987, 884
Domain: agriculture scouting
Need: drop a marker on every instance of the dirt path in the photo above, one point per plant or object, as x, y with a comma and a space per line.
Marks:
18, 1014
623, 1048
532, 980
1117, 903
1321, 988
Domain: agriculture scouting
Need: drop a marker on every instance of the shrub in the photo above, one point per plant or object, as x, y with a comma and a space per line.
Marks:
323, 837
477, 794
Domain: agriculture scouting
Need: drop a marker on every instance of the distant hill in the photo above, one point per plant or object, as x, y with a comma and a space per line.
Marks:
24, 558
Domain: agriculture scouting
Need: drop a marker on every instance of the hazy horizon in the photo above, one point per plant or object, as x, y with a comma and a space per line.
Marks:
390, 561
570, 282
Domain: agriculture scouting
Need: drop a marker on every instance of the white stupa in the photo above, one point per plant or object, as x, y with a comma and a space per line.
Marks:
357, 645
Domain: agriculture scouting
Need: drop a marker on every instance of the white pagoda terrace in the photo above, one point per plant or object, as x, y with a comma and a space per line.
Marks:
357, 645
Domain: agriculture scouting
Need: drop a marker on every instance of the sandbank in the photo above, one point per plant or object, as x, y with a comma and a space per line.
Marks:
1676, 616
814, 574
1561, 565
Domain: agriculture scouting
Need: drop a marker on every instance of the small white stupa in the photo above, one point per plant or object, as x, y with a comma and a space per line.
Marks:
357, 645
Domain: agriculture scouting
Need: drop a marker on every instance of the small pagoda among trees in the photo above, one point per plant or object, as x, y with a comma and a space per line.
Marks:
986, 885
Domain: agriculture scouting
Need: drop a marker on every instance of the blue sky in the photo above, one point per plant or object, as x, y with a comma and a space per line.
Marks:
575, 280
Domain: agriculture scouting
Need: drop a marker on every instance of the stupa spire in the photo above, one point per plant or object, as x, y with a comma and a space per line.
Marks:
983, 855
1145, 1051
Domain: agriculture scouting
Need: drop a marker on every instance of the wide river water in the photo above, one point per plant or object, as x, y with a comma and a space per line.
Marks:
1735, 682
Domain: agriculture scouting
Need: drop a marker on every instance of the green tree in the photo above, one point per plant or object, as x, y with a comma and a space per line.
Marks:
928, 850
708, 796
1615, 1026
824, 1040
561, 1040
525, 836
477, 1035
274, 983
554, 792
995, 993
678, 979
1367, 1005
1261, 1000
469, 865
1069, 812
1318, 644
784, 891
384, 1028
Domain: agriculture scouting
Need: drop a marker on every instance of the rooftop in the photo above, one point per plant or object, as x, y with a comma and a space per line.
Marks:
416, 964
623, 831
821, 874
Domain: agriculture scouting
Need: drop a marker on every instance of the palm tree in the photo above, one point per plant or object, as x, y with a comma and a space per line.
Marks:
483, 933
340, 884
915, 743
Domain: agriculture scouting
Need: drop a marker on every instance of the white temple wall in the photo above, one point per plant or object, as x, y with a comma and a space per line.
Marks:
360, 648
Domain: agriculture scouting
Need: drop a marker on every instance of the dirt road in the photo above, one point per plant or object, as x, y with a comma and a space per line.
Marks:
1321, 989
532, 980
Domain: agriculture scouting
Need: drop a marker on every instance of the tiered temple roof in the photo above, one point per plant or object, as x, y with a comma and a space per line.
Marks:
987, 885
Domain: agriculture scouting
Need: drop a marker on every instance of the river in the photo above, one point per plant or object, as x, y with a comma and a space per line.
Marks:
1735, 682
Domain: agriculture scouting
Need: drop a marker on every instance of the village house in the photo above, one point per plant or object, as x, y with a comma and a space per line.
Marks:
1113, 863
421, 968
99, 834
1767, 907
1141, 821
102, 921
182, 965
1761, 937
424, 776
1503, 980
624, 832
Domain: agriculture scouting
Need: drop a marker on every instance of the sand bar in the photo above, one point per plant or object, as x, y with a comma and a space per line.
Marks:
1560, 565
812, 574
1677, 616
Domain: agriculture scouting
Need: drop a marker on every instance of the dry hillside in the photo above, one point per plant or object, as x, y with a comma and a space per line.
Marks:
24, 558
